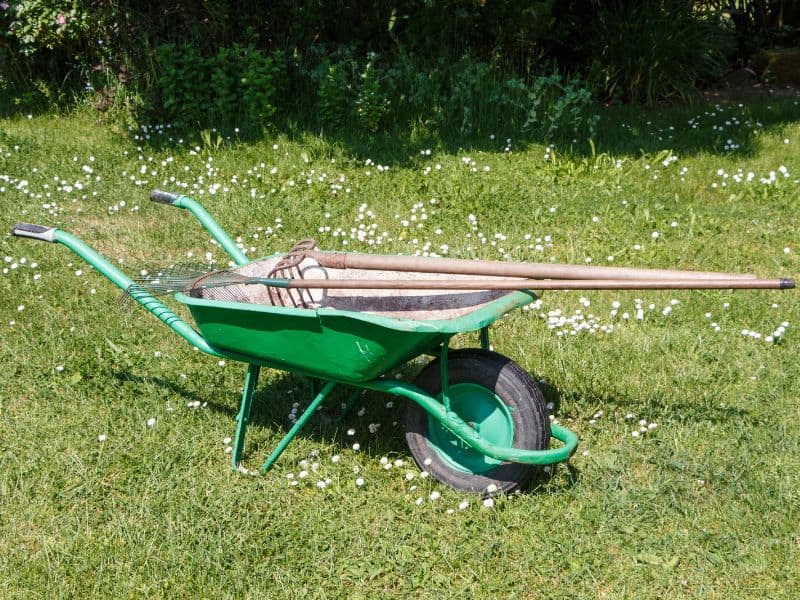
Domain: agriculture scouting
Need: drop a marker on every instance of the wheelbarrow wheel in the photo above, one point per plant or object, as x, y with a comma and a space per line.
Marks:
496, 397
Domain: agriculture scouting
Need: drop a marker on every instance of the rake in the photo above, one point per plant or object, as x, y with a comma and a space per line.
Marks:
198, 280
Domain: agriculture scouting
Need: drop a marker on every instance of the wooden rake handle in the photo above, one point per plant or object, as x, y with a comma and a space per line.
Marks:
492, 268
528, 284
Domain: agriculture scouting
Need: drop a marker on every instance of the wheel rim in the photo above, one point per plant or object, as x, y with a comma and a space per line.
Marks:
485, 412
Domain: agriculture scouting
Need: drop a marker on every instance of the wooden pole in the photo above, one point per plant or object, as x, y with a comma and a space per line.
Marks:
527, 284
494, 268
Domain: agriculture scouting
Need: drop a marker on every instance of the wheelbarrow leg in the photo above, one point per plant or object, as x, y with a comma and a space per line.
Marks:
309, 412
485, 337
243, 417
351, 402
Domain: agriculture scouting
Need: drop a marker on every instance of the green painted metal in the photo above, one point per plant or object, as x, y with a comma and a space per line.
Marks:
484, 412
331, 344
351, 402
481, 317
467, 434
444, 375
122, 281
243, 418
217, 232
307, 414
485, 338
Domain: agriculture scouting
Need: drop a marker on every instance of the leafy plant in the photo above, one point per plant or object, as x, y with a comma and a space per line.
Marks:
48, 24
466, 102
259, 84
211, 141
371, 104
559, 107
223, 69
181, 78
334, 96
236, 86
655, 50
415, 93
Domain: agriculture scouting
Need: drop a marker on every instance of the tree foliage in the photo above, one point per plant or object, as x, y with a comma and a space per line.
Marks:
623, 48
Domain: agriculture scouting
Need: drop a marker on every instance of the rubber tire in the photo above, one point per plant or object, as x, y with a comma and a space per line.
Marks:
514, 387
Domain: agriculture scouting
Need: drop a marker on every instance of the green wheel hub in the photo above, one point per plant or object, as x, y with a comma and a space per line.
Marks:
485, 412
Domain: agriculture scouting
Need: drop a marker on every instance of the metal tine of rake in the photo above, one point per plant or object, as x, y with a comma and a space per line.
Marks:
288, 267
189, 277
160, 281
231, 293
224, 293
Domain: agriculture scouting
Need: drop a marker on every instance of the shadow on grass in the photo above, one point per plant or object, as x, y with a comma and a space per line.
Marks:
21, 110
686, 409
273, 402
341, 412
721, 127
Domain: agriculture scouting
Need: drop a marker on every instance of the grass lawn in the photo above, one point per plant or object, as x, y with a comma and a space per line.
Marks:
114, 477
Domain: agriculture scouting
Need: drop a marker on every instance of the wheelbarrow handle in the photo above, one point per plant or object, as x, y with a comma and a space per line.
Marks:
206, 220
164, 197
117, 277
36, 232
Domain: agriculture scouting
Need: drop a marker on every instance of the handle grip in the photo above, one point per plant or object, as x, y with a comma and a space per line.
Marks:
164, 197
37, 232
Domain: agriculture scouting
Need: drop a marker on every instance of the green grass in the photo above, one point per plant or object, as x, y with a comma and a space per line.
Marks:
705, 505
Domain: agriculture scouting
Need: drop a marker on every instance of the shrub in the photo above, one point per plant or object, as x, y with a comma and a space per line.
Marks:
236, 86
559, 108
262, 75
466, 105
334, 96
39, 25
181, 77
49, 49
467, 97
652, 50
371, 104
350, 92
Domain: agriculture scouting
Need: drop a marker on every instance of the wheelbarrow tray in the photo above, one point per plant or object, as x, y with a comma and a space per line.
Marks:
329, 343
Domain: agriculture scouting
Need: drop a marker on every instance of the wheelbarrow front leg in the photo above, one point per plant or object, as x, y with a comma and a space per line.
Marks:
243, 418
312, 408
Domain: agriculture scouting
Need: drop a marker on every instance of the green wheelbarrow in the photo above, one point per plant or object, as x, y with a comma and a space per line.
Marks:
476, 420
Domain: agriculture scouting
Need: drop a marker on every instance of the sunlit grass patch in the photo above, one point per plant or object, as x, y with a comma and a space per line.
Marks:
115, 436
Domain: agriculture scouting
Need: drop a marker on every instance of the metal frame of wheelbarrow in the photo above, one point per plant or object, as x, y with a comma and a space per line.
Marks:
438, 409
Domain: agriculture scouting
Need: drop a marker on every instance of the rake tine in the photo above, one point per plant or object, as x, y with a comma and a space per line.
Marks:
128, 296
186, 278
126, 299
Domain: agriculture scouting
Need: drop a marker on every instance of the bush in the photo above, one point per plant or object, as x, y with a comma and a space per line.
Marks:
467, 97
47, 48
334, 97
652, 50
467, 65
349, 92
371, 104
39, 25
560, 108
235, 87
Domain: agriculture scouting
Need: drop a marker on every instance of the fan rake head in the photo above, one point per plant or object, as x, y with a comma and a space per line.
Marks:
200, 280
183, 277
